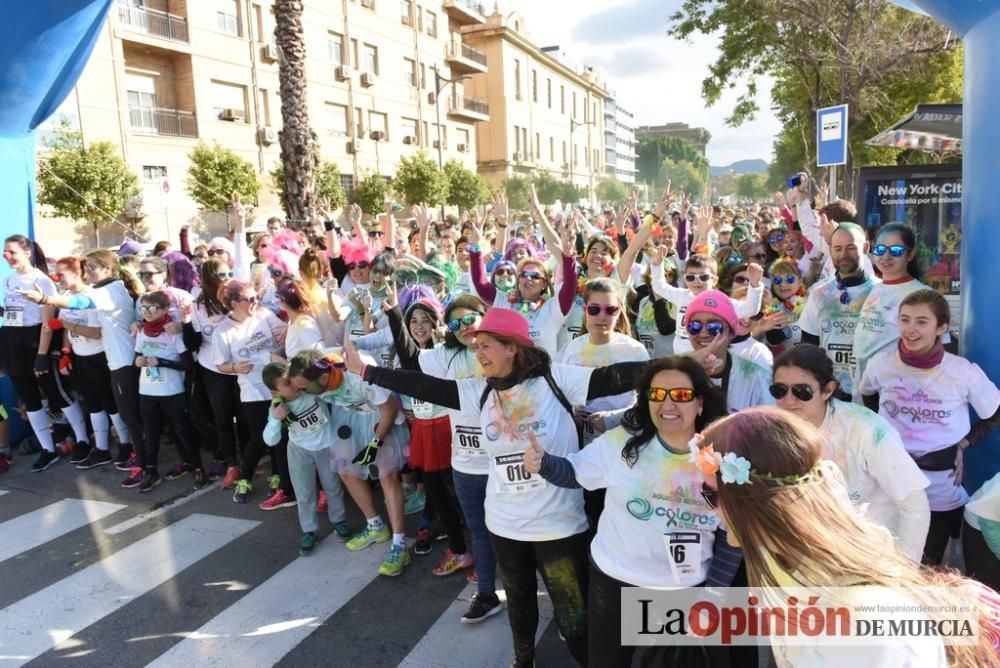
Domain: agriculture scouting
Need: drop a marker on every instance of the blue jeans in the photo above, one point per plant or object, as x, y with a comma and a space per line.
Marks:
471, 492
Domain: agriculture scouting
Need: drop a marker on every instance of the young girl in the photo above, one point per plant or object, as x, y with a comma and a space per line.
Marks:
788, 293
926, 393
303, 333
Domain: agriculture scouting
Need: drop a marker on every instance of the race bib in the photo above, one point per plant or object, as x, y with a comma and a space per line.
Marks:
423, 410
13, 316
510, 476
647, 341
310, 422
77, 339
683, 551
842, 355
152, 374
588, 429
465, 441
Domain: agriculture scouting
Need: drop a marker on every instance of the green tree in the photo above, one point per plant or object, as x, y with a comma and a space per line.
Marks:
466, 189
570, 194
652, 152
216, 173
682, 175
548, 188
611, 190
85, 183
327, 184
419, 180
518, 190
370, 194
752, 187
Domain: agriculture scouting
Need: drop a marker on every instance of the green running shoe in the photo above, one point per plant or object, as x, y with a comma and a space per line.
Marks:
414, 504
307, 543
369, 536
343, 530
395, 560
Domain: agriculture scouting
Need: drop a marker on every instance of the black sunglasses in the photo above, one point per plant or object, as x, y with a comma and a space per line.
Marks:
143, 275
364, 264
610, 309
800, 391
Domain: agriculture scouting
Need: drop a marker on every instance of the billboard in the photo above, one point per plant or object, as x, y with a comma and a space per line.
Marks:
928, 198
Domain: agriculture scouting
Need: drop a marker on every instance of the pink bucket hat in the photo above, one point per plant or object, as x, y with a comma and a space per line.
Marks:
716, 303
507, 323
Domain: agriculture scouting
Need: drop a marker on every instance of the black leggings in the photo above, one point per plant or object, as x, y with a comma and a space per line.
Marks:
563, 566
980, 562
224, 396
201, 409
29, 390
18, 349
92, 379
255, 414
945, 524
440, 490
175, 408
125, 385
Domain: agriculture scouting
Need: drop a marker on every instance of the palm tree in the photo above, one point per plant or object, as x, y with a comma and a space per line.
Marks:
297, 139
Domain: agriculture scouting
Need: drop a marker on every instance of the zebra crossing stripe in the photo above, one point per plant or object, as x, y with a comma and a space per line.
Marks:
271, 620
39, 622
40, 526
488, 644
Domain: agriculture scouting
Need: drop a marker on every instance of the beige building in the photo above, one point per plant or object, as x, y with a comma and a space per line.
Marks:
543, 114
166, 74
698, 137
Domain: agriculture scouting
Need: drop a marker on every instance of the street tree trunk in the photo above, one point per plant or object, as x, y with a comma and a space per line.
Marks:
297, 140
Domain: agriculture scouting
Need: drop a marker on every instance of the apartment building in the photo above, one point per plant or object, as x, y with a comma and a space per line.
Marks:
167, 74
697, 137
544, 115
619, 141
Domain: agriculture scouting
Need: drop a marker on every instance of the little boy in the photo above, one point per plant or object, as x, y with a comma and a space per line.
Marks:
310, 433
701, 273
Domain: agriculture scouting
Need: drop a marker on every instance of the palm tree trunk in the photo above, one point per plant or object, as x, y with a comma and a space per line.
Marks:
297, 140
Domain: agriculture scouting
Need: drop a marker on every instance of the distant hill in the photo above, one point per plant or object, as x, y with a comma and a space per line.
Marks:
741, 167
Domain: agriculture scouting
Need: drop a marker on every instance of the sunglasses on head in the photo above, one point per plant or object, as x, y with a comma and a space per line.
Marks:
678, 395
467, 319
710, 495
364, 264
713, 327
150, 308
212, 252
895, 250
144, 275
800, 391
704, 278
223, 274
610, 309
249, 300
787, 278
531, 274
275, 273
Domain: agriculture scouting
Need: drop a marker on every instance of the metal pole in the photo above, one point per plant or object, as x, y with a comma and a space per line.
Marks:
437, 111
833, 182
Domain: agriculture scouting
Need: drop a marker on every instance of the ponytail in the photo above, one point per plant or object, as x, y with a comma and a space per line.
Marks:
108, 260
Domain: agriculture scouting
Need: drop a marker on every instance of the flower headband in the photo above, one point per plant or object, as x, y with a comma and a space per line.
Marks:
735, 469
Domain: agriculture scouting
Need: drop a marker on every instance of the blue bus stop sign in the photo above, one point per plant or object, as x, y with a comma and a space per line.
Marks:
831, 136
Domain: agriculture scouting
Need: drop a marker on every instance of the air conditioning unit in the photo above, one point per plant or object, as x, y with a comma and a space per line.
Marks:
368, 79
461, 148
356, 146
442, 145
267, 136
231, 115
269, 53
518, 157
377, 135
342, 73
410, 139
431, 98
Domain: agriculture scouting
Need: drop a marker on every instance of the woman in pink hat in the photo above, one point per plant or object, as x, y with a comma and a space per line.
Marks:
524, 399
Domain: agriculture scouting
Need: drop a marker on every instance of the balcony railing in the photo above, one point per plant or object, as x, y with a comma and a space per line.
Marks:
166, 122
465, 12
473, 105
473, 54
154, 22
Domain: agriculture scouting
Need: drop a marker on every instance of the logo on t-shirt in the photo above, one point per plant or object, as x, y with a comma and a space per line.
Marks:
917, 414
677, 518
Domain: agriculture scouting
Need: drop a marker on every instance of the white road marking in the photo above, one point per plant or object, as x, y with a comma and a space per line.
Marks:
122, 527
38, 527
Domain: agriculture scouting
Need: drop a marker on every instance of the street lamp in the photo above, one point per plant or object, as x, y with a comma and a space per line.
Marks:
573, 125
440, 83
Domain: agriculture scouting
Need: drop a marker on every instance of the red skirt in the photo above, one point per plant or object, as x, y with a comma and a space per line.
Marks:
430, 444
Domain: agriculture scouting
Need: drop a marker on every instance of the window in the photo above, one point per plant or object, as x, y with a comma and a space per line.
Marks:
524, 140
355, 60
420, 18
593, 111
227, 19
538, 146
336, 115
347, 185
562, 99
517, 78
575, 160
463, 138
432, 23
378, 122
335, 48
406, 12
517, 139
153, 172
227, 96
552, 149
265, 108
534, 85
425, 138
370, 63
410, 71
574, 104
409, 127
359, 118
258, 19
548, 87
368, 4
423, 76
564, 153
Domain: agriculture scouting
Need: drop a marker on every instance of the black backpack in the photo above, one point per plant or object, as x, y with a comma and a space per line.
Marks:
559, 396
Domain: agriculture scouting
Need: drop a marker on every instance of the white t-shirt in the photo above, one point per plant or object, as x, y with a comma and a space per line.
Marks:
18, 311
834, 323
753, 350
206, 324
877, 471
468, 452
82, 345
249, 341
930, 410
878, 323
621, 348
544, 323
309, 428
657, 345
116, 313
356, 395
572, 324
303, 334
463, 286
160, 381
748, 385
656, 529
519, 505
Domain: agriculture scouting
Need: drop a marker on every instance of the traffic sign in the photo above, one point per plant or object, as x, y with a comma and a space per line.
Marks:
831, 136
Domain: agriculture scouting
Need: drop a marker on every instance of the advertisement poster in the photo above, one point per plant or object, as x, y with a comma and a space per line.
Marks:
928, 198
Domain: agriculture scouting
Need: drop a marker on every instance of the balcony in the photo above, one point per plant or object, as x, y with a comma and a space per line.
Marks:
465, 12
463, 59
468, 108
163, 122
154, 22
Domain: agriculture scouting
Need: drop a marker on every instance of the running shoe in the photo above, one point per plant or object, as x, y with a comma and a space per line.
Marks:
200, 479
322, 504
307, 543
483, 606
243, 489
94, 459
278, 500
229, 480
5, 461
44, 461
343, 530
178, 471
125, 453
414, 503
394, 561
273, 483
426, 536
134, 479
217, 470
369, 536
80, 452
453, 563
129, 463
149, 482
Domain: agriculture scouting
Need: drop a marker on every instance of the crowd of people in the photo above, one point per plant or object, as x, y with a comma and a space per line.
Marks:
543, 388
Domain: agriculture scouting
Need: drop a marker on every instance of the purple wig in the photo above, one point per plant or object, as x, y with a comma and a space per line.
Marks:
520, 243
423, 296
183, 275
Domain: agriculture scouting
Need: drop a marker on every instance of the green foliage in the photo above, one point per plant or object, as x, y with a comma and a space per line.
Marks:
518, 191
653, 151
571, 194
100, 178
418, 180
683, 176
327, 183
466, 189
548, 188
370, 194
216, 173
611, 190
752, 187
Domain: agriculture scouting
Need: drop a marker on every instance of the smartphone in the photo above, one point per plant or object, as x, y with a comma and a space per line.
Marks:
794, 181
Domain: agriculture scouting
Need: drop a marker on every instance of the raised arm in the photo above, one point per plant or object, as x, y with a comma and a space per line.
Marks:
607, 381
628, 257
406, 347
477, 271
423, 217
414, 384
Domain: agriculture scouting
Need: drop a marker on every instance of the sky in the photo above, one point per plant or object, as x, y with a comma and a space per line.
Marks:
654, 76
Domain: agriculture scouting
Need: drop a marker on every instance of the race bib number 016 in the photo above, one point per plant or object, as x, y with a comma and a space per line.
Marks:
510, 476
684, 550
13, 316
309, 422
466, 441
